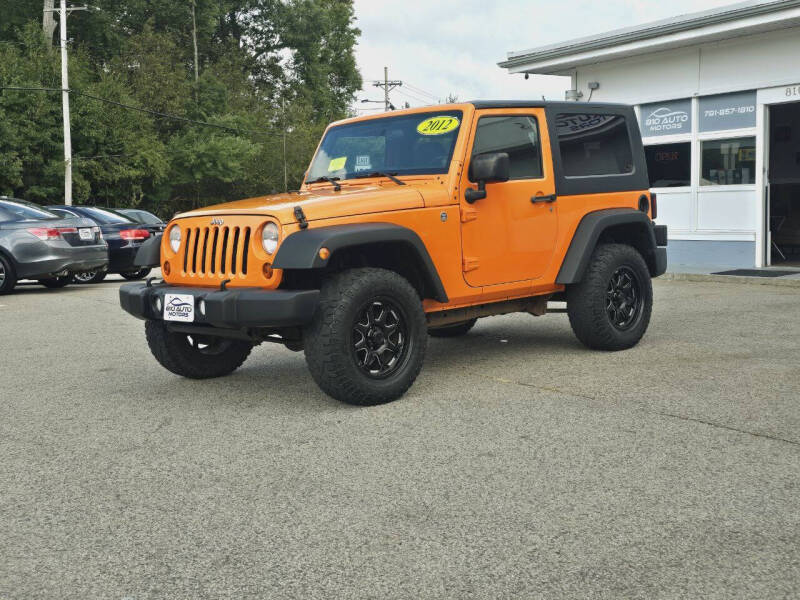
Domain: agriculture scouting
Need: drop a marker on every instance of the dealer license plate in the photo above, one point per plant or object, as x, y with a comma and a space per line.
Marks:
179, 307
86, 234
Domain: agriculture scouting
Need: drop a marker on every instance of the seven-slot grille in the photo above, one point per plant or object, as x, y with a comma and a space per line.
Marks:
216, 251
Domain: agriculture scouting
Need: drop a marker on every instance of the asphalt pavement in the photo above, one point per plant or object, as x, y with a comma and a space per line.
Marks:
520, 465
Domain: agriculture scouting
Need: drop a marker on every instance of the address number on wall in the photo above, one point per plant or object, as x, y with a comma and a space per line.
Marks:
793, 90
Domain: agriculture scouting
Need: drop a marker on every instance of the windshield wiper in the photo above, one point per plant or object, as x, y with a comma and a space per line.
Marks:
381, 174
332, 180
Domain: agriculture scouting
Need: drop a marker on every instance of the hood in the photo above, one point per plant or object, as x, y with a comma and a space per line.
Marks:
321, 203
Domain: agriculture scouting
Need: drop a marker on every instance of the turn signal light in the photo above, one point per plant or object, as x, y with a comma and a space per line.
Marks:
134, 234
324, 253
166, 268
267, 270
653, 207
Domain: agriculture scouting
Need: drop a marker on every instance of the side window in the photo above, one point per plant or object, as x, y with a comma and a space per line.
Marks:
516, 135
594, 144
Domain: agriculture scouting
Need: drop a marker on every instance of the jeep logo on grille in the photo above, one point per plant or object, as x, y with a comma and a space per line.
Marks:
217, 221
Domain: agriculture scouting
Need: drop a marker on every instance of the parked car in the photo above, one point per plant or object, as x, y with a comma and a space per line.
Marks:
124, 237
152, 222
409, 224
38, 244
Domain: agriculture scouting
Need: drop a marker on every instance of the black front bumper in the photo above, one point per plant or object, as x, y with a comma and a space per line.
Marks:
235, 308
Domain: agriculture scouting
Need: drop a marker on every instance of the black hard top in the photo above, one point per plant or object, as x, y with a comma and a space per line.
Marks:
543, 104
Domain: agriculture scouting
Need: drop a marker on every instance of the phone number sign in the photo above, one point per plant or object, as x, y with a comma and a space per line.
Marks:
728, 111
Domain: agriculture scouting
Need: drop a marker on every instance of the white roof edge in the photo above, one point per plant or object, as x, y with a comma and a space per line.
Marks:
648, 31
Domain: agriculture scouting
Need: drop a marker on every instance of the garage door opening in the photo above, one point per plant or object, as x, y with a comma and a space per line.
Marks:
784, 184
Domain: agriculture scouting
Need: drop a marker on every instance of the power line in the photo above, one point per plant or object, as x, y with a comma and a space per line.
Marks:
139, 109
413, 97
419, 90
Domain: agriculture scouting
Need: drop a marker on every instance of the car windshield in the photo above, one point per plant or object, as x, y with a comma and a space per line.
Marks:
26, 210
416, 144
104, 217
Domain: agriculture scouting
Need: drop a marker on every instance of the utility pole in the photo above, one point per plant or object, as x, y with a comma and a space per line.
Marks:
285, 169
62, 34
194, 37
49, 21
387, 87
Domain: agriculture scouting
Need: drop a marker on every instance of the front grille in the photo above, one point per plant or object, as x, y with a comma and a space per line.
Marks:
216, 251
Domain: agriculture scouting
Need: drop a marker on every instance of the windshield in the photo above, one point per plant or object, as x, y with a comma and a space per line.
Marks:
415, 144
25, 210
103, 217
142, 216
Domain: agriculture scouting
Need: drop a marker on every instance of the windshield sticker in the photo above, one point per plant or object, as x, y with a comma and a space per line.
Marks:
337, 164
437, 125
363, 163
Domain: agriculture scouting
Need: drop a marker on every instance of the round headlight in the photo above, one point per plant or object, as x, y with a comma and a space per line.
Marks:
175, 238
269, 237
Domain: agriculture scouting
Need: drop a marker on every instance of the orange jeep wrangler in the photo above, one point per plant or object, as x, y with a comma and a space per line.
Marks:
414, 223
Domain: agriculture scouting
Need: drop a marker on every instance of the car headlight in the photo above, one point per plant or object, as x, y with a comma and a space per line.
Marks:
269, 237
175, 238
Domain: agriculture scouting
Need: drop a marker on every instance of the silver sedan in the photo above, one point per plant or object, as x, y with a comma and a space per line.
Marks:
38, 244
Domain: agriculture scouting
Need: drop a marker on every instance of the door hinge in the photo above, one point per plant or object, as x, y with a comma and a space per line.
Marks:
468, 214
470, 264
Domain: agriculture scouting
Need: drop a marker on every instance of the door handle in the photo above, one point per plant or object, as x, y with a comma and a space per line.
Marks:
548, 199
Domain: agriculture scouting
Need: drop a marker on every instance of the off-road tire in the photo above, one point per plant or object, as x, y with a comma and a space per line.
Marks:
176, 354
9, 279
330, 339
452, 330
96, 278
56, 282
587, 300
136, 275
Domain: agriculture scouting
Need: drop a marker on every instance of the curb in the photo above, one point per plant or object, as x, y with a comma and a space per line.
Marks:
700, 277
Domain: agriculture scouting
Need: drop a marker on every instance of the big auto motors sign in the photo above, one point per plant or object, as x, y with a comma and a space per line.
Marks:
666, 118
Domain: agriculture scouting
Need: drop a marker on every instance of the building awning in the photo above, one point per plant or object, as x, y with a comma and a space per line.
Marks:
745, 18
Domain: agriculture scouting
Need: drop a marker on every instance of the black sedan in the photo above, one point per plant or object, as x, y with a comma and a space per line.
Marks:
124, 238
39, 244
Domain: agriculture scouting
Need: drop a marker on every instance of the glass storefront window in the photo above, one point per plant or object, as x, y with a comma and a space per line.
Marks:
669, 165
728, 162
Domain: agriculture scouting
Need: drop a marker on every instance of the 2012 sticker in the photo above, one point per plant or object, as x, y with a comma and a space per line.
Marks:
438, 125
337, 163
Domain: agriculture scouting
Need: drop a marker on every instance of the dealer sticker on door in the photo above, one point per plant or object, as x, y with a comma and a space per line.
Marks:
179, 307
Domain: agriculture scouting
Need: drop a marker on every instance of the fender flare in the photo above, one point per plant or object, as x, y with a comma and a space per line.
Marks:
588, 233
149, 253
300, 250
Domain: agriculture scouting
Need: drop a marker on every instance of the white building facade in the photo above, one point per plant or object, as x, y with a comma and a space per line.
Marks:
718, 99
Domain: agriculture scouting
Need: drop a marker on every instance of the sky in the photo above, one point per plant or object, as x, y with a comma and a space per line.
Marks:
441, 47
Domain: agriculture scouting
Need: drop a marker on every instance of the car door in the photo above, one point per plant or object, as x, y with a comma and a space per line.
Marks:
509, 235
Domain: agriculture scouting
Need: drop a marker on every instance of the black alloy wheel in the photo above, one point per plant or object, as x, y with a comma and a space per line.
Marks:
366, 343
380, 338
610, 307
8, 278
623, 298
195, 356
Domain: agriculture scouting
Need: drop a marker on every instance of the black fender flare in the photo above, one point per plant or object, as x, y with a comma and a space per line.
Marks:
149, 253
300, 250
589, 230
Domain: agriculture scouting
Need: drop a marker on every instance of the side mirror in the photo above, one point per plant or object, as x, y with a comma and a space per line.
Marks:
486, 168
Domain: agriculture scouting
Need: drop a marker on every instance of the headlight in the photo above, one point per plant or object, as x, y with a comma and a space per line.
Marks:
269, 237
175, 238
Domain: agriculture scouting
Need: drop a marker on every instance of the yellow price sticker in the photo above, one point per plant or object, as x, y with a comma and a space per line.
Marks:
337, 163
437, 125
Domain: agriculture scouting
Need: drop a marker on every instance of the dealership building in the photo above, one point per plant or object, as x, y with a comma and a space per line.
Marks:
717, 94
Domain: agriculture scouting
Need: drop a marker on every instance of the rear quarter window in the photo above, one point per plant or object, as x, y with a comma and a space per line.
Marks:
594, 144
